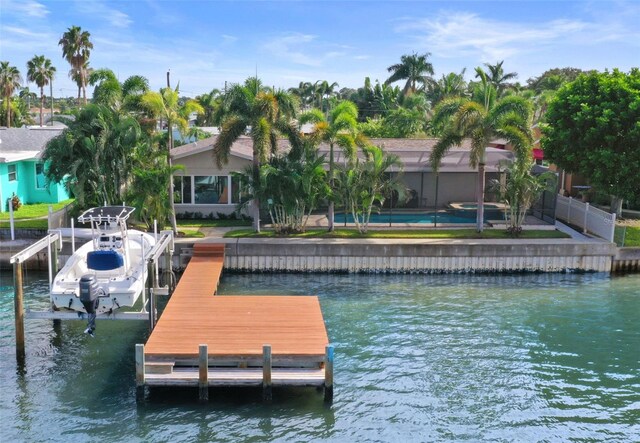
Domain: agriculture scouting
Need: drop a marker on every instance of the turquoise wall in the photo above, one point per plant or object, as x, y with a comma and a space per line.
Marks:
25, 186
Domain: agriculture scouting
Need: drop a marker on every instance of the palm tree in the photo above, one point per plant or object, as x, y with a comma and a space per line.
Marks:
322, 89
450, 85
210, 102
41, 72
165, 105
482, 119
364, 184
76, 48
497, 77
266, 114
126, 96
93, 155
340, 129
10, 80
26, 95
414, 69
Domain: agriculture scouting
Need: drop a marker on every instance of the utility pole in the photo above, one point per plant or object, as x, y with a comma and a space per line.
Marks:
51, 94
172, 215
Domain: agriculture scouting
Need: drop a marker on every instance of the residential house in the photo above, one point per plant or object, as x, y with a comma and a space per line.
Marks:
22, 171
205, 188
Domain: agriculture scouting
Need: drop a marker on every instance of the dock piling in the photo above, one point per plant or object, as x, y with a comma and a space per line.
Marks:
140, 379
328, 373
266, 373
18, 302
203, 378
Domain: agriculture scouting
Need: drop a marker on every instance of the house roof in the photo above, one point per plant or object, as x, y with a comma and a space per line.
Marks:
414, 153
25, 143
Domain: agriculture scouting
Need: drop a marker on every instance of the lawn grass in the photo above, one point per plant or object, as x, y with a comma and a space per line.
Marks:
207, 223
191, 233
35, 211
402, 233
37, 223
632, 237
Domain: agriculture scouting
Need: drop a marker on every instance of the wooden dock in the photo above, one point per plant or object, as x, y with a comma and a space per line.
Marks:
206, 340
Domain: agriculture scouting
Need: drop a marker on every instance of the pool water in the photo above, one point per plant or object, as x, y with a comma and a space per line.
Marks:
543, 357
448, 217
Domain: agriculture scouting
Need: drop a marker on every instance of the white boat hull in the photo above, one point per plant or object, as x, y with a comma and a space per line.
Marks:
119, 288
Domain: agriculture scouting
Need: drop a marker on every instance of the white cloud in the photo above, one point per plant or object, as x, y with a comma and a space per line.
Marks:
462, 34
97, 8
302, 49
226, 38
29, 8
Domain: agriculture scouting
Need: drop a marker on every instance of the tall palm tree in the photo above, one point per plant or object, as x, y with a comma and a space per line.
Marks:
267, 113
210, 102
41, 72
340, 129
26, 95
414, 69
481, 121
76, 48
497, 77
166, 105
10, 80
322, 89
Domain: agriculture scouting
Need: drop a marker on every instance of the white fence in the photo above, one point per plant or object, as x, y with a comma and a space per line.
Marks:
590, 219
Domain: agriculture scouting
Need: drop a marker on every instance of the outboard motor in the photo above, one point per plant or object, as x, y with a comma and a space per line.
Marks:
89, 293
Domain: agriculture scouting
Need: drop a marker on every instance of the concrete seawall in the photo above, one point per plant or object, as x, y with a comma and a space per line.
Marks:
415, 256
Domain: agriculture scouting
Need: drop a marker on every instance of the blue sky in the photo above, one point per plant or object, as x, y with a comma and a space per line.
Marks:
205, 43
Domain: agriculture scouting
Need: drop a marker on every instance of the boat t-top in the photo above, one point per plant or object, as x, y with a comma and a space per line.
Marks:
108, 272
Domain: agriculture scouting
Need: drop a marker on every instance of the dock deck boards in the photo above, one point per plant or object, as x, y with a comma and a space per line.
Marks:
235, 328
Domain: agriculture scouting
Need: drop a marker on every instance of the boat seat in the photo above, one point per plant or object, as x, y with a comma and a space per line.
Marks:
104, 260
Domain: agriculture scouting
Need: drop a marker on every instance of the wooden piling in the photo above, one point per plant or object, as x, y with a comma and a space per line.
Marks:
203, 378
18, 302
151, 283
328, 373
266, 373
140, 379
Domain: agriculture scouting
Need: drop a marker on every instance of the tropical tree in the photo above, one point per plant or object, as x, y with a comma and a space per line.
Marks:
150, 184
497, 77
266, 114
26, 95
481, 119
414, 69
41, 72
76, 48
592, 129
520, 190
10, 80
448, 86
292, 185
92, 156
366, 183
305, 92
166, 106
340, 129
126, 96
210, 103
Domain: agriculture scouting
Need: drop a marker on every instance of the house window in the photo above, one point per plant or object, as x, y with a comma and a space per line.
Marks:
41, 181
13, 173
210, 189
182, 189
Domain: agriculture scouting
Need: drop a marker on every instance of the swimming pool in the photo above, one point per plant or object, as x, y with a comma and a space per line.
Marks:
444, 217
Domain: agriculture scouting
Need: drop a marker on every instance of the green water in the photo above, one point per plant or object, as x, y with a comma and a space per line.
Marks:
418, 358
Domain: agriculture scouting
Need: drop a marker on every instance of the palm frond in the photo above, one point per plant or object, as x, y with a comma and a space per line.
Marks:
231, 129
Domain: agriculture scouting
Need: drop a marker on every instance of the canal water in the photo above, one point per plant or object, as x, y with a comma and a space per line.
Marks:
529, 357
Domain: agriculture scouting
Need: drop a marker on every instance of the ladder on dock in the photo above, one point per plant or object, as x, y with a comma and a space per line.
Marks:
205, 340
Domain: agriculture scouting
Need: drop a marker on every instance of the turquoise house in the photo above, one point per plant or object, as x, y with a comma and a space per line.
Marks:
22, 171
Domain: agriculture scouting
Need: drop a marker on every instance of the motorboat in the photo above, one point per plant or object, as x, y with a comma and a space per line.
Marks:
108, 272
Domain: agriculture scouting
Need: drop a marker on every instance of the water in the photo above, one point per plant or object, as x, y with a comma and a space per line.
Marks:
449, 217
418, 358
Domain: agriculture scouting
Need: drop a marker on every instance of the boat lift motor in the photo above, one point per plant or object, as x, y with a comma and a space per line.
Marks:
89, 293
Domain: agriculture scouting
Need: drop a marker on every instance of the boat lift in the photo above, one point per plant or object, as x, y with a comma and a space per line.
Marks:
53, 244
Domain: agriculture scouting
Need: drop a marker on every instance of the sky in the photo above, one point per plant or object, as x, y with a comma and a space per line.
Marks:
205, 43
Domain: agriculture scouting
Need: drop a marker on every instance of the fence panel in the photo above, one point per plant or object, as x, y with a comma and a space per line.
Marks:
583, 215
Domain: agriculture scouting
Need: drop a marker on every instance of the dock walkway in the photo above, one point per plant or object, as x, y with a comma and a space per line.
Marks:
205, 340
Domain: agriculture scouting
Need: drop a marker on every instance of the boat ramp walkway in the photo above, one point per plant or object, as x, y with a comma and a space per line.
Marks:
205, 340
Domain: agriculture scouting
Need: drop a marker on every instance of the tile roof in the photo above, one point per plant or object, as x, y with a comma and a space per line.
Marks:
414, 153
25, 143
